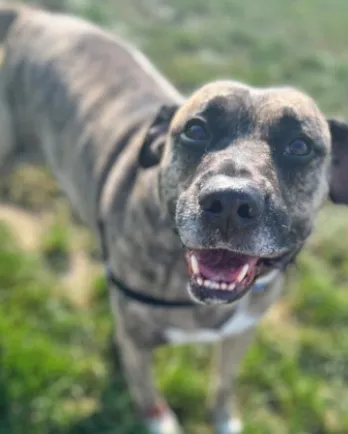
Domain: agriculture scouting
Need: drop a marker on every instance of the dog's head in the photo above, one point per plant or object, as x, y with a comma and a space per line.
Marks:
242, 175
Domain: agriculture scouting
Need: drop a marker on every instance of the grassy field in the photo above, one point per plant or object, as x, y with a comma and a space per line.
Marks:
58, 370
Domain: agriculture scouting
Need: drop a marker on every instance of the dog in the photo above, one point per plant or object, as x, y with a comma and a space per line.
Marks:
199, 204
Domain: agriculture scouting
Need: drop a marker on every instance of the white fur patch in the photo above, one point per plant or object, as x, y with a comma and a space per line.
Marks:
267, 279
231, 426
164, 424
240, 322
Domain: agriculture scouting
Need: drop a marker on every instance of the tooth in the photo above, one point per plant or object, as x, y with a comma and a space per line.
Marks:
199, 281
231, 286
215, 285
224, 286
243, 273
206, 283
194, 264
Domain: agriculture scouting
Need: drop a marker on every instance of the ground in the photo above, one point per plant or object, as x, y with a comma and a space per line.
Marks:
58, 368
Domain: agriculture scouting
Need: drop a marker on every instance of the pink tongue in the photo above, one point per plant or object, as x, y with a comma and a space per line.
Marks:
224, 266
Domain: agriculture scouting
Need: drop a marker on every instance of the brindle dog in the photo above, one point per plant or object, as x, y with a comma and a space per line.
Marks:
199, 203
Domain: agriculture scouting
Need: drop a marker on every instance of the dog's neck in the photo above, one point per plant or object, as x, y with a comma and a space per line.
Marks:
146, 230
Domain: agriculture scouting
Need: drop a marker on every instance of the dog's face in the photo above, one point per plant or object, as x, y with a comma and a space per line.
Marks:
242, 175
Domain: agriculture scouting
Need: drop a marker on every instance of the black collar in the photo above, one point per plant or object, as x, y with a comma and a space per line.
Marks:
130, 293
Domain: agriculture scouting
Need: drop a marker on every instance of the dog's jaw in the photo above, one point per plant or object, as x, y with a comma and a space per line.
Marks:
223, 277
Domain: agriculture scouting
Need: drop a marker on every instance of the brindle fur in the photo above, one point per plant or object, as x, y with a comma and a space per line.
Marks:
73, 96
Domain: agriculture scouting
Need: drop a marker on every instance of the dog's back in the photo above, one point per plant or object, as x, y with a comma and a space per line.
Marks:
8, 14
68, 82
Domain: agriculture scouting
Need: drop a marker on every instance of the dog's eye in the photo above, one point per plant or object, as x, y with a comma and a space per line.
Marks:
196, 131
298, 148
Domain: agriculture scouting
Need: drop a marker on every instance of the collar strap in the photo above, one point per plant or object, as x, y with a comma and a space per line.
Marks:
130, 293
143, 298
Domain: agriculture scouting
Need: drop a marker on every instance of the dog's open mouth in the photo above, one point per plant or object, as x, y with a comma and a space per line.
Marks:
218, 275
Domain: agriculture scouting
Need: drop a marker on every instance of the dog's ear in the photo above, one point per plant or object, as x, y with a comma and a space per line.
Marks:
338, 191
154, 141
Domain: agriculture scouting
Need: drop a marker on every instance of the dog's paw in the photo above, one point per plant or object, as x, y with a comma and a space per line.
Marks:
166, 423
231, 426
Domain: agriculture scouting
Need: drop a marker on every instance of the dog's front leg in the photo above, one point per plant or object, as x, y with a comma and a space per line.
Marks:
137, 365
228, 356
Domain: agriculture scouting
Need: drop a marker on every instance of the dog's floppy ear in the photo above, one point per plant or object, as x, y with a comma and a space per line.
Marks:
339, 170
154, 141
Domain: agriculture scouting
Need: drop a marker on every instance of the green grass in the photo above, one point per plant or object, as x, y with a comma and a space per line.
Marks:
58, 369
55, 246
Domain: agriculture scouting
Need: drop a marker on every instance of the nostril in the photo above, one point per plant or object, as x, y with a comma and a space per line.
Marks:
211, 203
245, 211
215, 207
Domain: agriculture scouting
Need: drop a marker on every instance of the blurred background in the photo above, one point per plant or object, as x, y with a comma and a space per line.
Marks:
58, 372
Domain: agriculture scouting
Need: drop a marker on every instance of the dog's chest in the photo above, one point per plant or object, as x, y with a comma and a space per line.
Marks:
240, 321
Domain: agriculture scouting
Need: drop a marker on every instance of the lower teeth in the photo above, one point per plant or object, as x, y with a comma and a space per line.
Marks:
215, 285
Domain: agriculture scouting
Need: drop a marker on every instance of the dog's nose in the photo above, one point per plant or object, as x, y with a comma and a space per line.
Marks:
232, 200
